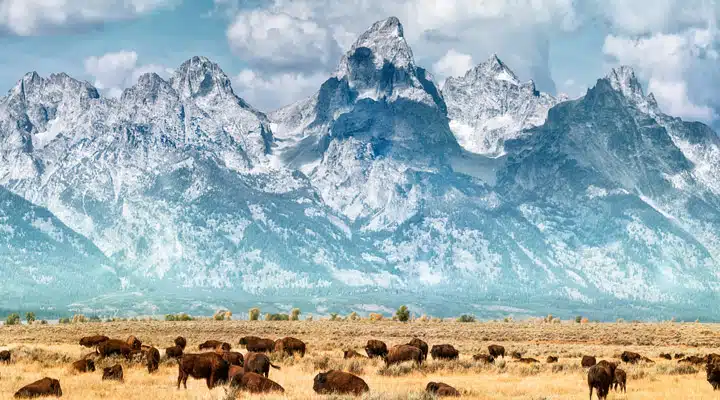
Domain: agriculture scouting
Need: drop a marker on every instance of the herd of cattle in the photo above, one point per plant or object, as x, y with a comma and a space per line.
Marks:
217, 364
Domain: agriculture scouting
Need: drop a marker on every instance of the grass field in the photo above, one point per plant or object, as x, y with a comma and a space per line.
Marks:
47, 350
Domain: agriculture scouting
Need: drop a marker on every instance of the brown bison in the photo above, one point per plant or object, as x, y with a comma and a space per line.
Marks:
84, 365
153, 359
693, 360
630, 357
134, 342
444, 352
402, 353
440, 389
208, 366
255, 383
174, 352
352, 354
43, 387
247, 339
712, 358
232, 357
496, 351
5, 356
290, 346
234, 370
114, 347
600, 377
420, 345
620, 381
712, 370
486, 358
552, 359
180, 342
516, 355
528, 360
114, 373
258, 345
214, 345
679, 356
666, 356
92, 341
588, 361
376, 348
339, 382
258, 363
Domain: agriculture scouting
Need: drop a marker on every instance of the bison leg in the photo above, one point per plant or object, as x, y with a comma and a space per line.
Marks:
180, 376
591, 390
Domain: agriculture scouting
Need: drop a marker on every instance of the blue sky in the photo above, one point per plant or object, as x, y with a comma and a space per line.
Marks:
279, 51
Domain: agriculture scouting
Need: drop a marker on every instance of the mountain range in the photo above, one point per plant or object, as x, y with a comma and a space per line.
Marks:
485, 197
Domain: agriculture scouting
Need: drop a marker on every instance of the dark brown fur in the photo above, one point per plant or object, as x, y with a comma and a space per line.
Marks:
92, 341
444, 352
376, 348
114, 347
255, 383
215, 345
258, 363
134, 342
620, 381
666, 356
552, 359
402, 353
712, 371
181, 342
440, 389
630, 357
114, 373
84, 365
232, 357
5, 356
174, 352
528, 360
153, 359
339, 382
261, 346
694, 360
486, 358
43, 387
588, 361
290, 346
208, 366
516, 355
600, 377
679, 356
352, 354
496, 351
420, 344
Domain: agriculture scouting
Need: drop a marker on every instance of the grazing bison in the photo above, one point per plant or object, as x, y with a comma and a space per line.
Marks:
600, 377
516, 355
208, 366
694, 360
528, 360
440, 389
630, 357
487, 359
92, 341
5, 356
339, 382
712, 370
679, 356
588, 361
376, 348
84, 365
234, 370
247, 339
180, 342
620, 381
666, 356
496, 351
174, 352
114, 373
352, 354
258, 363
114, 347
233, 357
420, 345
444, 352
290, 346
153, 359
43, 387
255, 383
402, 353
134, 342
552, 359
214, 345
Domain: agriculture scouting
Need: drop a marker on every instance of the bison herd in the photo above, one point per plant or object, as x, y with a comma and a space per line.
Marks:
217, 364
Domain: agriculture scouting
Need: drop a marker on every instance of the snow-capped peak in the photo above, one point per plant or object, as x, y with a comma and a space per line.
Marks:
385, 40
623, 80
494, 68
198, 77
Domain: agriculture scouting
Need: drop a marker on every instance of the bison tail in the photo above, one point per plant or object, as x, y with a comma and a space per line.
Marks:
274, 366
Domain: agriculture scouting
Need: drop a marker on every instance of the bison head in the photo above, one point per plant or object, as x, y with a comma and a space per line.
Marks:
319, 381
432, 387
90, 365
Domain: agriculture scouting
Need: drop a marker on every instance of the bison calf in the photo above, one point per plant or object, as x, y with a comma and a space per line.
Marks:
339, 382
114, 373
84, 365
444, 352
440, 389
620, 380
43, 387
376, 348
255, 383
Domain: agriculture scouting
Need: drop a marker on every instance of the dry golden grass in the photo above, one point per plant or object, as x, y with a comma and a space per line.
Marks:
47, 351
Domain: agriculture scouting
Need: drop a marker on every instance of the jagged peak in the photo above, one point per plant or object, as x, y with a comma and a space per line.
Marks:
624, 80
199, 76
33, 82
386, 40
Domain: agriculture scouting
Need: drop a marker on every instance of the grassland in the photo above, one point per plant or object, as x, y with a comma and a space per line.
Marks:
46, 350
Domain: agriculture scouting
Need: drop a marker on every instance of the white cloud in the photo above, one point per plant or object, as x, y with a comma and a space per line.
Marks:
267, 91
114, 72
453, 63
30, 17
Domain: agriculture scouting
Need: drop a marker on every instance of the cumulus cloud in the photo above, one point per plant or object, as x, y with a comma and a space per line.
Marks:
30, 17
453, 63
113, 72
269, 91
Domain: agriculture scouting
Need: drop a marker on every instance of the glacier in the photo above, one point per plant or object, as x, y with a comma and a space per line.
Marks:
485, 197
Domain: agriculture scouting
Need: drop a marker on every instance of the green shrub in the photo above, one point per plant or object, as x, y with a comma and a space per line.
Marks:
64, 320
219, 317
402, 314
12, 319
334, 317
170, 317
30, 317
254, 314
466, 318
173, 317
277, 317
295, 314
43, 322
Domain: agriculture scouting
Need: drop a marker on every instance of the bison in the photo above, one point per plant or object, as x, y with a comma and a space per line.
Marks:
247, 339
420, 345
174, 352
114, 347
180, 342
376, 348
134, 342
552, 359
258, 363
666, 356
214, 345
712, 358
516, 355
114, 373
600, 377
43, 387
290, 346
485, 358
620, 380
352, 354
527, 360
208, 366
255, 383
255, 344
679, 356
712, 370
496, 351
694, 360
93, 341
588, 361
630, 357
444, 352
5, 356
84, 365
440, 389
232, 357
153, 359
339, 382
402, 353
